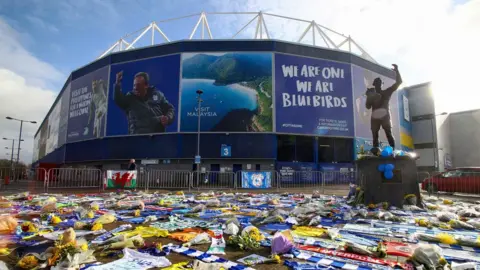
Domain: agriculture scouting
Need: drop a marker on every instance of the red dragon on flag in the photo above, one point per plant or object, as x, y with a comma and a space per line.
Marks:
122, 180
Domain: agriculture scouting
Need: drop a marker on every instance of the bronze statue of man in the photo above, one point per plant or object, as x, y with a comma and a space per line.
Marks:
378, 100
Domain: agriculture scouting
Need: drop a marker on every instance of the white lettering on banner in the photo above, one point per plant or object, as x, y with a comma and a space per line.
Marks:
322, 85
332, 124
80, 102
204, 111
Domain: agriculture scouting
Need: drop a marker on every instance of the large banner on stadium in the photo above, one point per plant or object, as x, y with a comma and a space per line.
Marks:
53, 128
362, 80
237, 92
42, 144
88, 106
143, 96
64, 112
313, 96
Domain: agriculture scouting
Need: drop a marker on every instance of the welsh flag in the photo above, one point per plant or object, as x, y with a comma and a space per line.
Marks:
121, 179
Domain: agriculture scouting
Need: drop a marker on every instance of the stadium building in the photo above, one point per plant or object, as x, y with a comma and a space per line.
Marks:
266, 105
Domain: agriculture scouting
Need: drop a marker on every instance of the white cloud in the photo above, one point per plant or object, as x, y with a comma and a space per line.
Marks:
42, 24
429, 39
23, 92
14, 57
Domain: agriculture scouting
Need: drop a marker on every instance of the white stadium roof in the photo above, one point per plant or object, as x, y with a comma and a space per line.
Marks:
313, 34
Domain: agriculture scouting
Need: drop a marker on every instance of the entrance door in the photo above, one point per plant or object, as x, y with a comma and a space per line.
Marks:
237, 167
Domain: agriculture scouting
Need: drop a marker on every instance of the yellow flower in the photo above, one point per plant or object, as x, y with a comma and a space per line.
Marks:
28, 262
5, 251
159, 246
276, 259
235, 208
136, 213
97, 227
256, 235
90, 214
29, 227
95, 206
447, 201
84, 247
180, 193
55, 220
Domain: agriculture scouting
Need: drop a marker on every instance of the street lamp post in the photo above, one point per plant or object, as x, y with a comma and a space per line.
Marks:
199, 100
20, 135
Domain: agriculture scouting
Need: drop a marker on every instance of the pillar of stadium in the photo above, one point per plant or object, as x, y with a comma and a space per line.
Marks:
261, 32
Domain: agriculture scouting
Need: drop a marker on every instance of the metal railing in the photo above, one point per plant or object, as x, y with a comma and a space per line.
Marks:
301, 179
214, 180
326, 182
159, 179
13, 174
66, 178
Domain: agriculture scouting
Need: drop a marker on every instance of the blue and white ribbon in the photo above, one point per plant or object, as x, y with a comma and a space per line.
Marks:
203, 256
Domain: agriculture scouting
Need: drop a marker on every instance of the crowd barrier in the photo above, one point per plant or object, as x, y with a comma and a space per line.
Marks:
13, 174
327, 182
158, 179
66, 178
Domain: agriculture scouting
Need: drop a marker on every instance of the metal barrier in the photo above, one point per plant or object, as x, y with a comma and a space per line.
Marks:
214, 180
301, 179
13, 174
158, 179
338, 182
66, 178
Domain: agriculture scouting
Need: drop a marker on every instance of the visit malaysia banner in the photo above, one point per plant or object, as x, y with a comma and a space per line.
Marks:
256, 179
121, 179
313, 96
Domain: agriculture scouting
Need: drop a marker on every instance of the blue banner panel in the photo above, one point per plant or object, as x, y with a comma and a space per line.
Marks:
88, 106
237, 92
143, 96
64, 109
256, 180
313, 96
362, 80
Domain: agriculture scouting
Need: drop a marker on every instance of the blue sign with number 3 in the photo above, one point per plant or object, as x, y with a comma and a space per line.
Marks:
226, 151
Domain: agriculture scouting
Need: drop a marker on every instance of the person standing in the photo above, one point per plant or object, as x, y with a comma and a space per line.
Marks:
132, 166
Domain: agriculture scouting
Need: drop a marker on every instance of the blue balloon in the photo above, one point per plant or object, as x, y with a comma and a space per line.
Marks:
388, 174
389, 167
381, 168
389, 149
384, 153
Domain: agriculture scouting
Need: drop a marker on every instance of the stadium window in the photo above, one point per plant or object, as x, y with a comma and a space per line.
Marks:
304, 149
343, 150
285, 148
325, 150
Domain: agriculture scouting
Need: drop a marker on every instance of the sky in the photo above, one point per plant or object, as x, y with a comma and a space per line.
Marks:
42, 41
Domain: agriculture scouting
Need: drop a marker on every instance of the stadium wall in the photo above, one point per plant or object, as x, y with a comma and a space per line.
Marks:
268, 74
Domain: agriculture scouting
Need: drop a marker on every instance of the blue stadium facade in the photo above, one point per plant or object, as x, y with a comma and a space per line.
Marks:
271, 105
